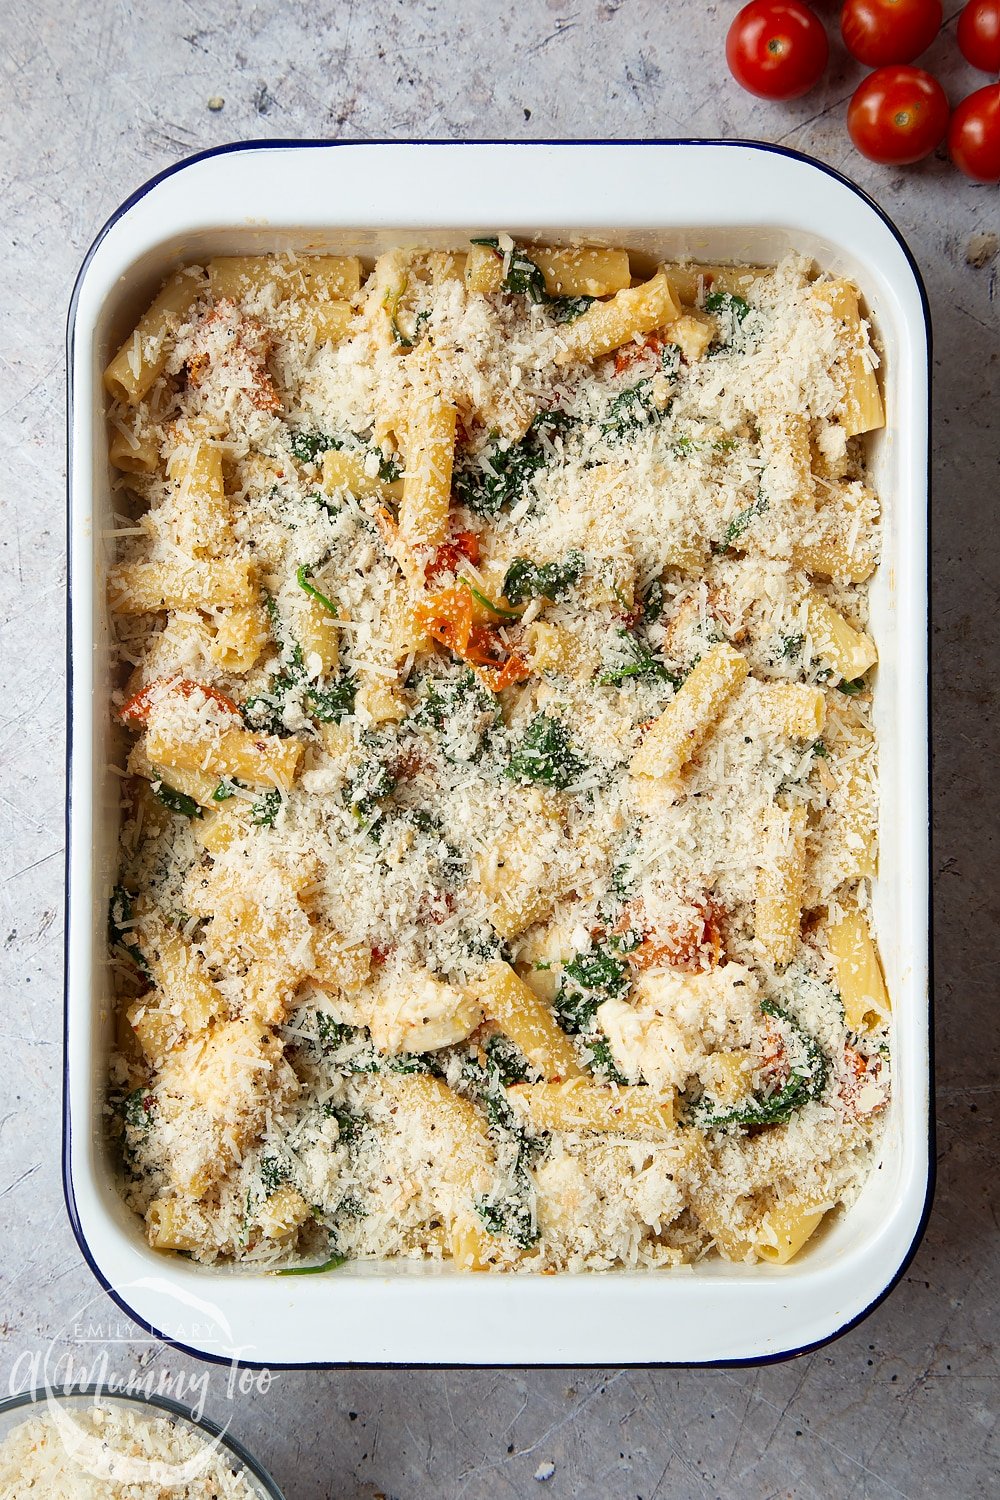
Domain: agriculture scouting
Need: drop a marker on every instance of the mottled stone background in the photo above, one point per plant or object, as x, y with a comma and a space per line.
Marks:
98, 96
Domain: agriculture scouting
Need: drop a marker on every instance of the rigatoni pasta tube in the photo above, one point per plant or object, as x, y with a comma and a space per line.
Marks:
195, 470
175, 1224
194, 784
859, 973
430, 453
629, 314
314, 276
142, 358
526, 1020
318, 635
784, 438
848, 651
578, 1105
240, 637
325, 322
180, 973
684, 724
858, 822
131, 453
146, 587
863, 410
784, 1230
573, 271
261, 759
343, 469
780, 883
693, 279
832, 556
467, 1165
795, 709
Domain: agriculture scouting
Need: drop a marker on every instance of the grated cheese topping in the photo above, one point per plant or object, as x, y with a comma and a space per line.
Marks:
334, 823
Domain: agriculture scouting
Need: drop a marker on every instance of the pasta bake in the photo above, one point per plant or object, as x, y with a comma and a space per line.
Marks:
499, 779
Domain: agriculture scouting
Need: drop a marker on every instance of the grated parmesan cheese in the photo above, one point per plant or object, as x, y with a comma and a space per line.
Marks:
339, 919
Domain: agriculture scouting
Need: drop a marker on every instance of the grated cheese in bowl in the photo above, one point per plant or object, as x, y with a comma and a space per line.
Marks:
66, 1446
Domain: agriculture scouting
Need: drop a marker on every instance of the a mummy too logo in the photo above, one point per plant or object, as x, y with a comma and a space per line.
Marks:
97, 1357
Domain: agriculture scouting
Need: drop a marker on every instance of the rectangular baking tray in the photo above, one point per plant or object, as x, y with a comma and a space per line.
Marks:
708, 200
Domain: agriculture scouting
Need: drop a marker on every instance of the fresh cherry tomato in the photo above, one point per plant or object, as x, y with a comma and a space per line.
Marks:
979, 34
898, 115
776, 49
877, 32
974, 135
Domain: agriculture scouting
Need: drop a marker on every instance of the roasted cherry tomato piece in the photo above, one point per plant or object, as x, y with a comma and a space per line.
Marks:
777, 49
136, 709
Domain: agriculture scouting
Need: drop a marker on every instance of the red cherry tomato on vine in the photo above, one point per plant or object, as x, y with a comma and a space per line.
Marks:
979, 34
974, 135
877, 32
898, 115
776, 49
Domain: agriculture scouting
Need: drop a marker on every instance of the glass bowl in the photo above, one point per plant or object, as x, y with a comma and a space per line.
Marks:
17, 1409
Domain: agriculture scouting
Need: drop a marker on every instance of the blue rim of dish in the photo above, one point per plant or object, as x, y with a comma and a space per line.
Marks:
295, 144
42, 1395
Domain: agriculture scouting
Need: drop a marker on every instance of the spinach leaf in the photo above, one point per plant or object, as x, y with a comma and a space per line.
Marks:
600, 1059
370, 786
359, 1052
333, 1033
728, 305
732, 312
739, 524
587, 981
493, 483
461, 711
485, 601
266, 808
443, 697
524, 278
568, 309
508, 1059
639, 662
302, 579
511, 1215
852, 688
527, 580
120, 931
264, 713
546, 755
334, 701
652, 602
273, 1172
807, 1080
334, 1263
137, 1110
308, 446
631, 410
177, 802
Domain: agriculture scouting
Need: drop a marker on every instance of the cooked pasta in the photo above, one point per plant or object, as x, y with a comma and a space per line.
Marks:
499, 788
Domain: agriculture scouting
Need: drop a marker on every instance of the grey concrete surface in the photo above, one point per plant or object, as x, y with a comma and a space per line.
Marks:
96, 97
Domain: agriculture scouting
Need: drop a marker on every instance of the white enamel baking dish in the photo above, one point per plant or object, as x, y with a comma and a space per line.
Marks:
710, 200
